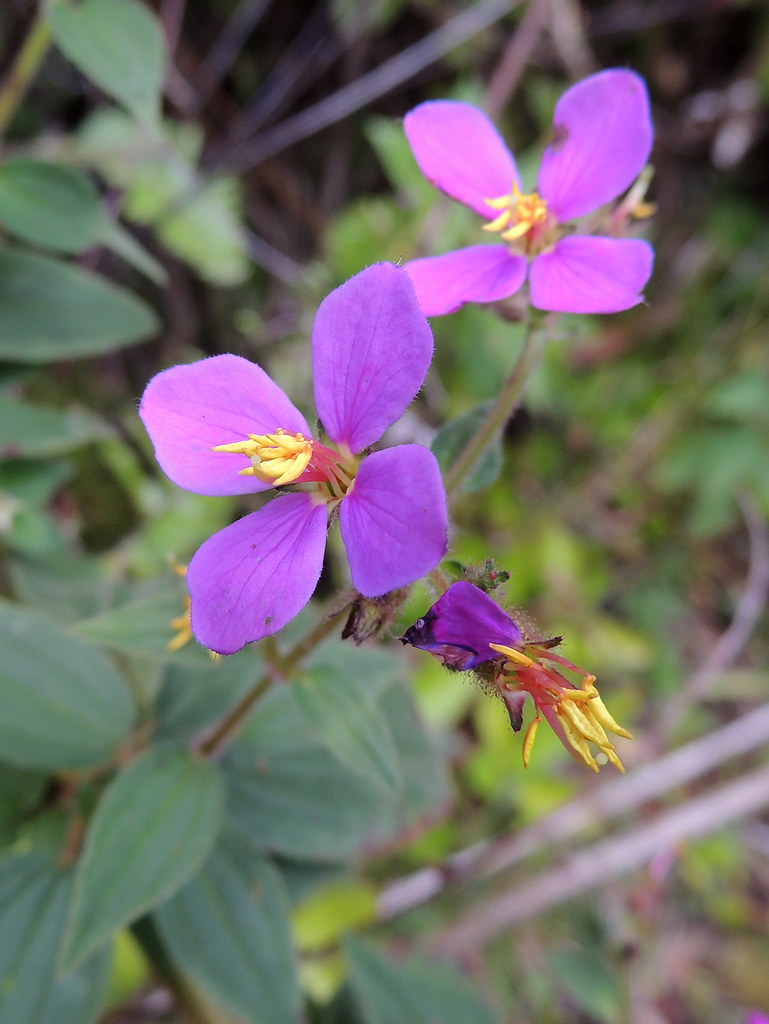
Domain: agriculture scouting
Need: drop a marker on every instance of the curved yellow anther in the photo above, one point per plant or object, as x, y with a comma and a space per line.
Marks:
276, 459
599, 711
520, 213
499, 222
512, 655
528, 740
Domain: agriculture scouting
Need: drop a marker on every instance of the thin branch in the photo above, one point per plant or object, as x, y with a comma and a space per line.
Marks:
612, 799
25, 67
273, 260
226, 47
593, 866
376, 83
312, 52
568, 35
750, 607
211, 743
505, 404
516, 56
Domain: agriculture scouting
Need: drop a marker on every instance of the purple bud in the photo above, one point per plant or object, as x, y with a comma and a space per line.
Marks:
460, 626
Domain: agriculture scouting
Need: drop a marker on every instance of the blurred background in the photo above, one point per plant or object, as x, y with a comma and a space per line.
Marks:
631, 506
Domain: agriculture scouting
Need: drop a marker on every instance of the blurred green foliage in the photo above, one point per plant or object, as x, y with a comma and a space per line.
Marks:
617, 500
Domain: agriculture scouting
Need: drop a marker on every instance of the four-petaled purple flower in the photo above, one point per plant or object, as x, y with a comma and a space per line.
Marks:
222, 426
467, 630
602, 139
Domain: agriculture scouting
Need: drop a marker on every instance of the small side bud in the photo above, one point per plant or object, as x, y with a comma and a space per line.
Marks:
370, 615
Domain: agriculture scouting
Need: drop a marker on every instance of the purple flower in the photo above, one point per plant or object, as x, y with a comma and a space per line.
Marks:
460, 626
222, 426
466, 629
602, 136
757, 1018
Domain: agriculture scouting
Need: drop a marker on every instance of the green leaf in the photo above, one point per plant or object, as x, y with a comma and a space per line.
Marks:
64, 705
280, 777
30, 481
49, 204
115, 237
424, 795
34, 895
151, 831
204, 230
31, 431
451, 440
417, 992
119, 45
57, 206
200, 221
144, 626
194, 696
229, 928
50, 310
21, 792
279, 780
589, 984
65, 585
394, 152
339, 701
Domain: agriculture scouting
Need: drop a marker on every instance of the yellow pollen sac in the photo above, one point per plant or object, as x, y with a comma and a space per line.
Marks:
582, 715
520, 213
512, 655
276, 459
585, 722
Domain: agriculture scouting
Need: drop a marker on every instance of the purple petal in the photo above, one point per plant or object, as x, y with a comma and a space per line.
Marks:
460, 626
480, 273
371, 349
603, 137
460, 151
187, 410
250, 579
591, 275
394, 521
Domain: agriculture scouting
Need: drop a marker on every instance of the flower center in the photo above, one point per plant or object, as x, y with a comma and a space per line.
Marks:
524, 220
284, 458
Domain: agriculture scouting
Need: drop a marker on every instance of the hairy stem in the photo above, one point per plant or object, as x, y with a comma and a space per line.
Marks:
503, 408
212, 743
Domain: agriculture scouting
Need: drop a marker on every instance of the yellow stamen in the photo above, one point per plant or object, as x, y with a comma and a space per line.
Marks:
183, 629
579, 743
512, 655
499, 222
582, 722
599, 712
276, 459
520, 213
582, 714
528, 740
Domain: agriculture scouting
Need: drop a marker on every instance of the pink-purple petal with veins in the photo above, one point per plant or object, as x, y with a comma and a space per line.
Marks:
371, 349
250, 579
394, 521
585, 274
602, 138
189, 409
461, 152
480, 273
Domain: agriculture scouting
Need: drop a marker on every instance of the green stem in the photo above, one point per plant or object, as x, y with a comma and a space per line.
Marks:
503, 408
212, 744
28, 61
